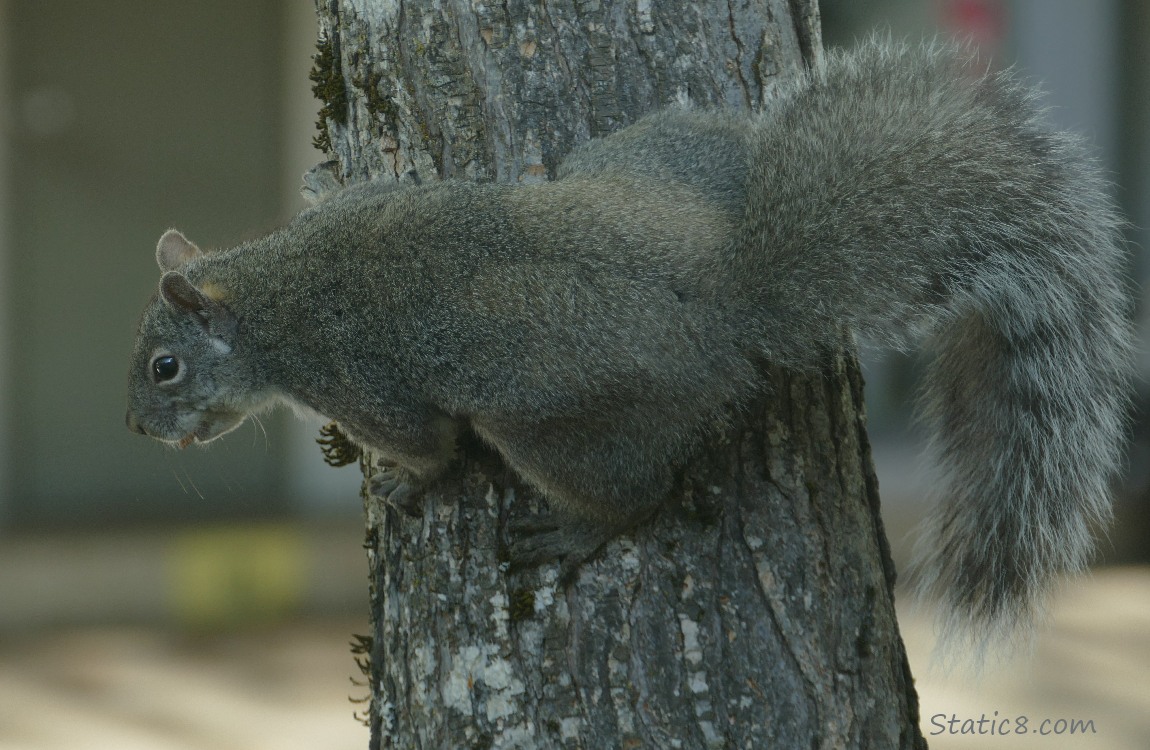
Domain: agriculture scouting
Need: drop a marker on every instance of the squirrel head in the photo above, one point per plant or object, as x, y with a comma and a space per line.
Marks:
186, 382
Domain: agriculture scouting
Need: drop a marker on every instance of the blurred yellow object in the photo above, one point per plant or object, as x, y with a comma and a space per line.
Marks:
223, 576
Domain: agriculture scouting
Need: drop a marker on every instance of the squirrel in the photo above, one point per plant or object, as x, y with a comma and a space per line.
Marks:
594, 328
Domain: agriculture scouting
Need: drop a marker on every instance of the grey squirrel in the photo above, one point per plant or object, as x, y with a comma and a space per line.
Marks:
593, 328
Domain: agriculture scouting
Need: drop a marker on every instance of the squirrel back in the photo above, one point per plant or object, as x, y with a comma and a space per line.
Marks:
593, 329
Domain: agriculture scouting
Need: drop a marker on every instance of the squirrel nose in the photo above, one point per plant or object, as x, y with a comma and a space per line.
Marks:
133, 425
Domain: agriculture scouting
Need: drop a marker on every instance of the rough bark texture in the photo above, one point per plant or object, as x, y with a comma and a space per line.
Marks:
756, 611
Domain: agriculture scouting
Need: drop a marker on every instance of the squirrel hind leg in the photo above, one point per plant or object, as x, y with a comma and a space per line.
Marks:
570, 539
601, 480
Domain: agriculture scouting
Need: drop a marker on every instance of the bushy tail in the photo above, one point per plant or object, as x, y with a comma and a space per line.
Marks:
901, 191
1026, 399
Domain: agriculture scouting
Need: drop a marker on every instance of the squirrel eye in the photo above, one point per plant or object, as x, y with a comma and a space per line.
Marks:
165, 367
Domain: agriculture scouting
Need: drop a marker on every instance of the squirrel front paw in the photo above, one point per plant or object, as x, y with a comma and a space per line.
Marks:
398, 489
321, 182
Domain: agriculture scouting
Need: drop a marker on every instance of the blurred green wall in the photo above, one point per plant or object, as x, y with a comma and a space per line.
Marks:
126, 118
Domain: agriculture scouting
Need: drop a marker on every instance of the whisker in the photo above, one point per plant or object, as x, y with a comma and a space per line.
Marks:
193, 483
260, 426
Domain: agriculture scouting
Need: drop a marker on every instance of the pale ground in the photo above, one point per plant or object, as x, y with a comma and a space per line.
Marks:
208, 683
287, 687
1090, 663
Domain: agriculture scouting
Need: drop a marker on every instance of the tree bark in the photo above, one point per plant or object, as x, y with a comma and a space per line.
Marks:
757, 610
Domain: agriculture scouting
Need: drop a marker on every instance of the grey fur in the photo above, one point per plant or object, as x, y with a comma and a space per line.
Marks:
592, 328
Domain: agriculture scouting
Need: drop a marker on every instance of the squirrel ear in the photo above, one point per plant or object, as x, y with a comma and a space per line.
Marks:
174, 250
214, 316
181, 294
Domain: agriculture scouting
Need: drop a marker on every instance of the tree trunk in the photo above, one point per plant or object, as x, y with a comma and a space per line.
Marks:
756, 611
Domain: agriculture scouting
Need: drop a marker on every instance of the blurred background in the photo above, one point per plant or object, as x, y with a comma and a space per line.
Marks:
191, 599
